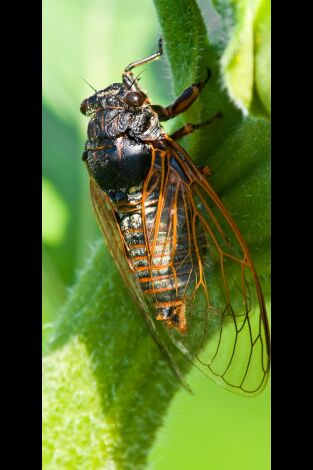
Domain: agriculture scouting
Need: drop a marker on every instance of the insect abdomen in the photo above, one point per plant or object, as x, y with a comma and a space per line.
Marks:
162, 268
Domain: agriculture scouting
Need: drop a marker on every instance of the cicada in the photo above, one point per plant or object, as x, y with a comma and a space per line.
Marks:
176, 246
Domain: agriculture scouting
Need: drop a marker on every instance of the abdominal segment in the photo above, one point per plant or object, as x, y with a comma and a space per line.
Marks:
160, 253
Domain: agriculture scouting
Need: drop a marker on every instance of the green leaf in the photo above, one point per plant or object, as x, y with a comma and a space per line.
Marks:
245, 62
107, 388
262, 53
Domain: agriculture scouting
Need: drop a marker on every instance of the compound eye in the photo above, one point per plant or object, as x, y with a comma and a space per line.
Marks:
134, 98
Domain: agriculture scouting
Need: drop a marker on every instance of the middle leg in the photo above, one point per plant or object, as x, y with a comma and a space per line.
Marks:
189, 128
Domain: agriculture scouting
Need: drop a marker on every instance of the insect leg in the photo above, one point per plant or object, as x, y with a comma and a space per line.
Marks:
189, 128
128, 77
183, 102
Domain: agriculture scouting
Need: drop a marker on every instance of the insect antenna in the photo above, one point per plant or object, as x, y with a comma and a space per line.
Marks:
89, 84
136, 78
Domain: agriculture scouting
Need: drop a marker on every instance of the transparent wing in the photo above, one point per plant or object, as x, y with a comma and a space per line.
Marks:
226, 331
115, 242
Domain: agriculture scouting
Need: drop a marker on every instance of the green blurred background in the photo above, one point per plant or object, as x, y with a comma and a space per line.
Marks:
95, 39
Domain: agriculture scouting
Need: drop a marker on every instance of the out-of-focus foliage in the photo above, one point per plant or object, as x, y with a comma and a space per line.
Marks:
106, 387
246, 59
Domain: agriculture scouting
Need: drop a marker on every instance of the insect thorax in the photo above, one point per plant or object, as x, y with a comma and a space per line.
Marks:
118, 152
118, 165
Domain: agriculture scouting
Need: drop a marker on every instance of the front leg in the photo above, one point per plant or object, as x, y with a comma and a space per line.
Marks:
183, 102
128, 77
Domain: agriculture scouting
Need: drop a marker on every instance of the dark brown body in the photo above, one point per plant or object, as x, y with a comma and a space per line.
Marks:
120, 162
125, 140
